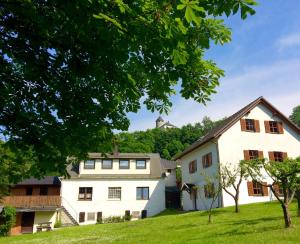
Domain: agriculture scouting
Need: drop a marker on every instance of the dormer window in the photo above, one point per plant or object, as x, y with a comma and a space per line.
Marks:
124, 164
106, 164
140, 164
89, 164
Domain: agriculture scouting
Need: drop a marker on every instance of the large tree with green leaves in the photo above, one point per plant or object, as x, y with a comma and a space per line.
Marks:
71, 70
295, 116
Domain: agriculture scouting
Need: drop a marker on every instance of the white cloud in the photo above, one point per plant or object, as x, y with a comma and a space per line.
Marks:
278, 82
288, 41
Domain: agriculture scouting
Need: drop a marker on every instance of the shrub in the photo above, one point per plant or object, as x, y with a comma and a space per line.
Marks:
7, 220
127, 217
57, 224
113, 219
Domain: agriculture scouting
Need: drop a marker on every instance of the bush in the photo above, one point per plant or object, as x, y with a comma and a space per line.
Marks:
127, 217
7, 220
57, 224
114, 219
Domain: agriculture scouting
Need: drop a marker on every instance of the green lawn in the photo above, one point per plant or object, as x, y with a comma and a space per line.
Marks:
257, 223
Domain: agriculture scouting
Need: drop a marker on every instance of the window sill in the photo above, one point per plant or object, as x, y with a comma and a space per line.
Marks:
84, 200
114, 200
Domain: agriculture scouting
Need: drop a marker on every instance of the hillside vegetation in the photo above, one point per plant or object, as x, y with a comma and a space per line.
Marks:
257, 223
166, 142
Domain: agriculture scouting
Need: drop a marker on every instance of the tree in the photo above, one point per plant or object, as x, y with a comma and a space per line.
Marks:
295, 116
71, 71
231, 177
284, 175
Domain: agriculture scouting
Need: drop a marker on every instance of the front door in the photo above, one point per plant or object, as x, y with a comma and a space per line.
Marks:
194, 198
27, 222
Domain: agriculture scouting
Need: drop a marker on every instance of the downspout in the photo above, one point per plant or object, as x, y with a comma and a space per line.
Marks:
220, 197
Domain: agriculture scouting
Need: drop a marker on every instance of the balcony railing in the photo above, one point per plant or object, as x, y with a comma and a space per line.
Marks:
32, 201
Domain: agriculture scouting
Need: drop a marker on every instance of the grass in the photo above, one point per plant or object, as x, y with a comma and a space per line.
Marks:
257, 223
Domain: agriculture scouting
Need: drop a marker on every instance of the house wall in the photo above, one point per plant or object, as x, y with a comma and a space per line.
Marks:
170, 179
199, 177
115, 169
234, 141
101, 203
44, 216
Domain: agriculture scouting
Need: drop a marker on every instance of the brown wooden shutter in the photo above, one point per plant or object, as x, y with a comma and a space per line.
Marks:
246, 155
271, 156
276, 188
243, 124
203, 161
280, 127
210, 159
267, 126
250, 188
284, 155
265, 189
256, 124
260, 154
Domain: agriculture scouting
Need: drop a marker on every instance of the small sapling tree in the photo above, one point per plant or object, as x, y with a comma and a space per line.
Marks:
231, 176
284, 175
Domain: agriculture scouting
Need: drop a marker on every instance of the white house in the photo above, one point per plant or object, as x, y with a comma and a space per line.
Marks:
160, 123
111, 185
257, 130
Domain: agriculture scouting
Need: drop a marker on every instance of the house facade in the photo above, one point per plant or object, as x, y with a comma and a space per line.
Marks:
37, 204
258, 130
117, 184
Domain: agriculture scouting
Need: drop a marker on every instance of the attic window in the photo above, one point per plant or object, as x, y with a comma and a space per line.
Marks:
250, 126
140, 164
273, 126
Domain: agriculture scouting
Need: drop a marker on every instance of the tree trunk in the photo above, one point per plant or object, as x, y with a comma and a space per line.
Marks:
298, 199
237, 207
286, 214
209, 216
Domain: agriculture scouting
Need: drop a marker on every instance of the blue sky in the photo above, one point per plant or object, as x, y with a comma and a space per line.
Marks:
263, 59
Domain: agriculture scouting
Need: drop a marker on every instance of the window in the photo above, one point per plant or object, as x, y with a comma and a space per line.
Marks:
85, 193
89, 164
106, 164
141, 164
209, 190
114, 193
123, 164
90, 216
81, 217
250, 126
44, 191
28, 191
273, 127
193, 166
207, 160
142, 193
253, 154
278, 156
257, 188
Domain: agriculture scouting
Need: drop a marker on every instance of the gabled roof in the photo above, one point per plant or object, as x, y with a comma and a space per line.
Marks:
220, 129
167, 124
47, 180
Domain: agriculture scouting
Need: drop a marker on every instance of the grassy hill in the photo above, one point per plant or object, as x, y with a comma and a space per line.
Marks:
257, 223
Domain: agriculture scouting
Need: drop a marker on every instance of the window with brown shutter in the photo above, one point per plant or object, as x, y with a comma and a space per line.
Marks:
257, 189
81, 217
207, 160
274, 127
277, 156
250, 125
253, 154
193, 166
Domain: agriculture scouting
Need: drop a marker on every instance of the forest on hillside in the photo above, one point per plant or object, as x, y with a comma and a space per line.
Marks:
166, 142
